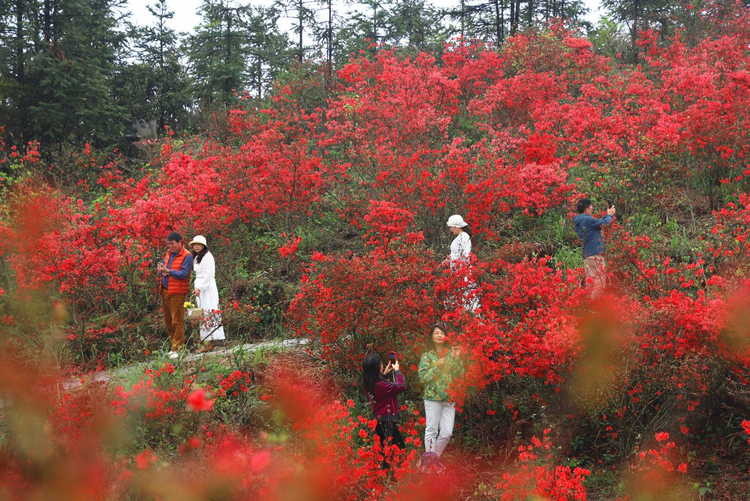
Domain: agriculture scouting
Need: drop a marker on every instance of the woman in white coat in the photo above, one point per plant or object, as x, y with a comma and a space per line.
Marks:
205, 289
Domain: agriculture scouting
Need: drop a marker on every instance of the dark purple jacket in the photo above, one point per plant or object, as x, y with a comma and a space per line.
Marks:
385, 404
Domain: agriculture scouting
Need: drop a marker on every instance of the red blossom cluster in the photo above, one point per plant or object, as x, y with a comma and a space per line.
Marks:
536, 477
657, 469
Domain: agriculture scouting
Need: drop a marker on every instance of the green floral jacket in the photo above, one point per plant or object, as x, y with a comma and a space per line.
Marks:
436, 379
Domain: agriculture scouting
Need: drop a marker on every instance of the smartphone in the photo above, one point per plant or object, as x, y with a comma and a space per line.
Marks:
610, 204
393, 357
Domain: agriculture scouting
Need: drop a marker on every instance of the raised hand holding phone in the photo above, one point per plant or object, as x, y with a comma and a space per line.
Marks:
611, 208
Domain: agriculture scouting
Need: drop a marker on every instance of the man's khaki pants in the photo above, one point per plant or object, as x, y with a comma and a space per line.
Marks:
174, 318
595, 268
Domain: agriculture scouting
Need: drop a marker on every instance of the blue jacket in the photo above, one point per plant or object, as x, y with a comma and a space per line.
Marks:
589, 231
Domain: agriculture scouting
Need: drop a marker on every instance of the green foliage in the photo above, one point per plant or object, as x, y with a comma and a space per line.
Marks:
415, 24
59, 84
569, 257
609, 39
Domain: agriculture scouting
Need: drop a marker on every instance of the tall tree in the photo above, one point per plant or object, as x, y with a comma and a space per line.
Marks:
158, 83
415, 24
465, 14
301, 13
363, 26
269, 51
218, 53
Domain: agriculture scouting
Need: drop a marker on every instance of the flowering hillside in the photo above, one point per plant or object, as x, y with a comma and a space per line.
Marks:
326, 211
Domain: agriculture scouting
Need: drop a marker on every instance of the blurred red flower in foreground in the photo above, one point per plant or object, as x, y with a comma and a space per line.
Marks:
197, 401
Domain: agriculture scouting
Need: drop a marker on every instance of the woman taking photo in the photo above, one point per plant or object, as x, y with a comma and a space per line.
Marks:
206, 290
439, 365
384, 400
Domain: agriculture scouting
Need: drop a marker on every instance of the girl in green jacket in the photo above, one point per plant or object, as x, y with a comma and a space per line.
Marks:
439, 365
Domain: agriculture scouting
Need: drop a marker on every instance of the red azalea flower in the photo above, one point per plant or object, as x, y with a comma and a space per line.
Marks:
144, 459
197, 401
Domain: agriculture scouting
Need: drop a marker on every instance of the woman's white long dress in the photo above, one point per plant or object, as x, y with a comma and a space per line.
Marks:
205, 281
460, 258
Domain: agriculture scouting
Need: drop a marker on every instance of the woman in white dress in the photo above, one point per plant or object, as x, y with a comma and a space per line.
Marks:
460, 258
205, 289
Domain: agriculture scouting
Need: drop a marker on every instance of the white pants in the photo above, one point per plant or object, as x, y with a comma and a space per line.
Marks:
439, 417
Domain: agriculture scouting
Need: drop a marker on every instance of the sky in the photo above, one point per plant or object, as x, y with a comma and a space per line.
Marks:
186, 17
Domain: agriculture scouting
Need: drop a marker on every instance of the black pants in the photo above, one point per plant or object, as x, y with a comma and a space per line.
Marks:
389, 434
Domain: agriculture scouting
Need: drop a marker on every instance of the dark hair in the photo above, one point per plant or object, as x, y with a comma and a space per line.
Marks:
583, 204
467, 229
371, 372
199, 255
174, 237
429, 342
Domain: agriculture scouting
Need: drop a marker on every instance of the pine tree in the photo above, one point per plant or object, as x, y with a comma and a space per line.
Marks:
362, 28
302, 15
269, 52
163, 93
218, 53
415, 24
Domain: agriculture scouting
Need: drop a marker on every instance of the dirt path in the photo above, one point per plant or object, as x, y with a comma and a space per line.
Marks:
122, 372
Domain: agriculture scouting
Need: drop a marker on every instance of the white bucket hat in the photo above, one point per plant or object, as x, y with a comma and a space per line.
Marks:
456, 221
199, 239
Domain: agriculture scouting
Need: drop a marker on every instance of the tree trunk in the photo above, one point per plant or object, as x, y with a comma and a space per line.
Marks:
20, 70
301, 13
227, 81
462, 15
518, 15
530, 13
635, 31
47, 21
330, 36
498, 23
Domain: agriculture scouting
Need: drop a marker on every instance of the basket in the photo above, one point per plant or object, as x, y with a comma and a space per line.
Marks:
195, 313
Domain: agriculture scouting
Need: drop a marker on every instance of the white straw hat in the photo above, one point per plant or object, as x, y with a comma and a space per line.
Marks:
199, 239
456, 221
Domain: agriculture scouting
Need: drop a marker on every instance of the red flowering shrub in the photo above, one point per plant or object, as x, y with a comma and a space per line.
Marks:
535, 477
657, 470
357, 304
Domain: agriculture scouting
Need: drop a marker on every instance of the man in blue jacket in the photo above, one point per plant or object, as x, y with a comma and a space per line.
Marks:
589, 231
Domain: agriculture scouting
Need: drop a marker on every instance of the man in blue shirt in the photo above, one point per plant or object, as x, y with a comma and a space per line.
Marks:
589, 231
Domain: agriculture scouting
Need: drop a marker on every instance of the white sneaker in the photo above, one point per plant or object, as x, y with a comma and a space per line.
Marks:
173, 355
